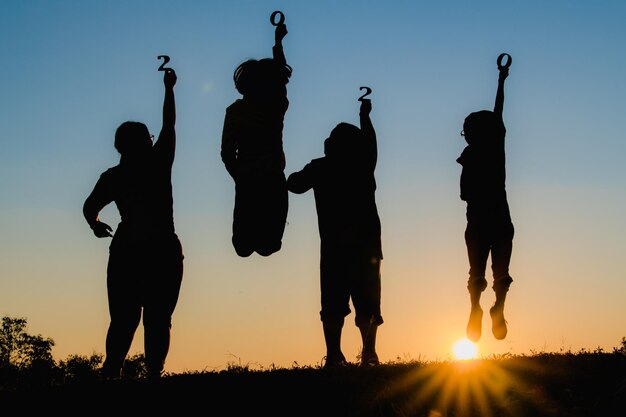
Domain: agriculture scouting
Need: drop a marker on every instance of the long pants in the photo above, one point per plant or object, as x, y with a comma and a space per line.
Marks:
142, 279
260, 214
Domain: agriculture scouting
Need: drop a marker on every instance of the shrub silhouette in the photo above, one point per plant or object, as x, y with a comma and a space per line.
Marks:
542, 384
26, 361
19, 349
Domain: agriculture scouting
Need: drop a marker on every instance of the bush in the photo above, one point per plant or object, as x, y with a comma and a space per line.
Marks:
77, 368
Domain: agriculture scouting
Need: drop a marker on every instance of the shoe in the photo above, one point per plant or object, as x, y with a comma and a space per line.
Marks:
369, 359
498, 323
154, 375
334, 362
474, 325
106, 374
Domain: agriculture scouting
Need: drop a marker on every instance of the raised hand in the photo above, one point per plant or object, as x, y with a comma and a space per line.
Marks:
280, 33
278, 19
504, 72
503, 67
169, 78
366, 106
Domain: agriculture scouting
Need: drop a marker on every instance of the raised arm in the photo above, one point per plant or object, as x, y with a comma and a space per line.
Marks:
166, 143
369, 134
499, 106
277, 50
302, 181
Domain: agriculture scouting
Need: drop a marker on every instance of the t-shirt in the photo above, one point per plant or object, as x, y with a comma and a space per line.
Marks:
252, 138
143, 196
483, 175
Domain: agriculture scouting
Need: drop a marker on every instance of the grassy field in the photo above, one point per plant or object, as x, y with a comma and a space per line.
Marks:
564, 385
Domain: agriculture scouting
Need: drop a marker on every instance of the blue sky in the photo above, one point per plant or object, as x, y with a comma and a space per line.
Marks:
73, 71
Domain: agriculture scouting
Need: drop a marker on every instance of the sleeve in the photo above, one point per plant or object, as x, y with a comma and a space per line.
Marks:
302, 181
278, 55
229, 143
100, 196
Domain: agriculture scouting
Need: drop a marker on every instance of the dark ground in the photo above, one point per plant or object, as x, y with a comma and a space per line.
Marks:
543, 385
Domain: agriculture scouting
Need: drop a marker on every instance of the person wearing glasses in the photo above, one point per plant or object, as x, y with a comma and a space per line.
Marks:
145, 266
489, 228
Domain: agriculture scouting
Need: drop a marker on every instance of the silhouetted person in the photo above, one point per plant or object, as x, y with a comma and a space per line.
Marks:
145, 267
252, 151
344, 187
489, 228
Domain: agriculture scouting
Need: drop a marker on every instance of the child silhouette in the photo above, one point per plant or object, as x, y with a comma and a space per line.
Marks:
489, 228
252, 152
145, 267
344, 188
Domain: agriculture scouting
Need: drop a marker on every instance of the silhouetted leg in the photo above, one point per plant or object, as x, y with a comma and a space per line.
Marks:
478, 251
273, 207
501, 257
335, 299
124, 310
243, 219
162, 290
366, 292
332, 338
369, 357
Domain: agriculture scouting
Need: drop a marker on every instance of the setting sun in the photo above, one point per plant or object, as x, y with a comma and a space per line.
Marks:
463, 349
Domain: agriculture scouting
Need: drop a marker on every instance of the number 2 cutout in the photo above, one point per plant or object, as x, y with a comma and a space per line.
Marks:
165, 59
368, 91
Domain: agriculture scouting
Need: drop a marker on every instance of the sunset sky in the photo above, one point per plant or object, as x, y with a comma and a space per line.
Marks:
72, 71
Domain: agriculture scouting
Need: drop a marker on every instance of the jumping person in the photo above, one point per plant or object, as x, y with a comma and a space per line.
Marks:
252, 151
489, 228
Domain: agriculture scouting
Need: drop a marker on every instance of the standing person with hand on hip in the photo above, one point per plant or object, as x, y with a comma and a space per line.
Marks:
145, 267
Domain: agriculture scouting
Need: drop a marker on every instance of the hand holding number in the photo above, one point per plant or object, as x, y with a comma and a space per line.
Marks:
504, 68
281, 28
169, 79
366, 103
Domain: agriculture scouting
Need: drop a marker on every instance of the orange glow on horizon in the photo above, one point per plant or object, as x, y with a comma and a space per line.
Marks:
463, 349
468, 388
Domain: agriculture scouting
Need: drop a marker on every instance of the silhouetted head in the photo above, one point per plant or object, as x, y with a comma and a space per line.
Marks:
343, 140
480, 127
132, 139
261, 78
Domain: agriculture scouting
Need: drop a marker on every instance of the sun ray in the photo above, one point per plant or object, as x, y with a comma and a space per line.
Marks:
467, 388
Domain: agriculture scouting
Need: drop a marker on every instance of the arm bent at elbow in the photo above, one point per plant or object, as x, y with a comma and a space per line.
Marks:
297, 183
91, 210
